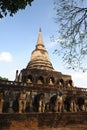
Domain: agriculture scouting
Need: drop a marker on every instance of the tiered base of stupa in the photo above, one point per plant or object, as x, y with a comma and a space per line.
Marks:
44, 121
12, 118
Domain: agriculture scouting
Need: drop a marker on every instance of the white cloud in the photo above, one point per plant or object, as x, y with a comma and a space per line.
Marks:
80, 79
5, 56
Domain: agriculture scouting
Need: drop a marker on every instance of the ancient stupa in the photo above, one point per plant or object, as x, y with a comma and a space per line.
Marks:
40, 62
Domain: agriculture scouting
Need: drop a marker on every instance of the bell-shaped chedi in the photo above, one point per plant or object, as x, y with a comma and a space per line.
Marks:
39, 57
39, 69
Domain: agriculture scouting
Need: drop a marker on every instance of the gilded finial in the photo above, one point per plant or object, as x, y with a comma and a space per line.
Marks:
40, 30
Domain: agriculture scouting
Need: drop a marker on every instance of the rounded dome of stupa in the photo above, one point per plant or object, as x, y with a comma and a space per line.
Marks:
39, 57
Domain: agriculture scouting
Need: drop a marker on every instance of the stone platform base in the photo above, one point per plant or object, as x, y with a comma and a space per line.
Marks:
44, 121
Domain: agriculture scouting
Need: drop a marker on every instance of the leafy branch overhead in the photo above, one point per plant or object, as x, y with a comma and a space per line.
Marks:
72, 19
12, 6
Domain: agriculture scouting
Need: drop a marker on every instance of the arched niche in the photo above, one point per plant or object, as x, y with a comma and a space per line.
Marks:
70, 83
24, 79
61, 82
40, 80
29, 79
51, 81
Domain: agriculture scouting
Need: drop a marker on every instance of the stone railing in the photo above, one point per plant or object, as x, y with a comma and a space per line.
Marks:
40, 87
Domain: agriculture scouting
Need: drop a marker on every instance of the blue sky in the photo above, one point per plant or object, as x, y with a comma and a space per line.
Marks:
18, 37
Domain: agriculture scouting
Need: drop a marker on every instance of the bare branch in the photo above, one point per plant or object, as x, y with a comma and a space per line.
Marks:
73, 28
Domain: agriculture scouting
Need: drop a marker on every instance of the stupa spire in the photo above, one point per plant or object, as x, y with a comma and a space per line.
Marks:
40, 43
40, 30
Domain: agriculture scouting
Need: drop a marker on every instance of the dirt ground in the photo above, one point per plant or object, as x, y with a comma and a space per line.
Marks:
33, 126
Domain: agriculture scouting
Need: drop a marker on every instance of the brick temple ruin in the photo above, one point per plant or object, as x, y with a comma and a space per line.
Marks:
42, 94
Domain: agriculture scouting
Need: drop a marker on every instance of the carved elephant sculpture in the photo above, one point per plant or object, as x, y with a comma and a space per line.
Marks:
38, 103
82, 103
56, 103
70, 104
22, 102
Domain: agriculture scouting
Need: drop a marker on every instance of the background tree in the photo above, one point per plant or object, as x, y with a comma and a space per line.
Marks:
12, 6
3, 78
72, 25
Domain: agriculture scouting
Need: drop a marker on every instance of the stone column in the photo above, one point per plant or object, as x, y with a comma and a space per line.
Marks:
1, 102
1, 105
16, 77
10, 109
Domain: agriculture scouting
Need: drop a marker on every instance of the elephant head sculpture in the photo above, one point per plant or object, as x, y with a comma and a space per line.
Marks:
56, 102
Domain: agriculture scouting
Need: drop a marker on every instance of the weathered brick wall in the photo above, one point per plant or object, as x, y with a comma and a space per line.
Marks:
44, 121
